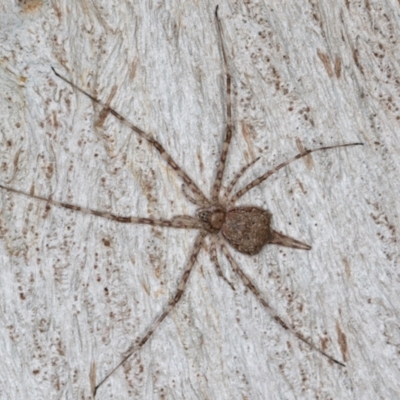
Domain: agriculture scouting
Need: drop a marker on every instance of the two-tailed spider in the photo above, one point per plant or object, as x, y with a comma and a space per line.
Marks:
246, 228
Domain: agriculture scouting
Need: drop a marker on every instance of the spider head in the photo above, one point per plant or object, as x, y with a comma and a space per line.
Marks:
212, 218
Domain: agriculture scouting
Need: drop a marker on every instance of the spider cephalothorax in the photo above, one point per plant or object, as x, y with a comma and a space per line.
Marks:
212, 218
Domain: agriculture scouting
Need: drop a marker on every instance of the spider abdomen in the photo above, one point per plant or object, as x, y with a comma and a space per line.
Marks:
247, 229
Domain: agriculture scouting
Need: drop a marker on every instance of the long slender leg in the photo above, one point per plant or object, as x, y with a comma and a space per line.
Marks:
273, 314
172, 303
235, 180
228, 135
180, 221
194, 200
214, 260
179, 171
104, 112
262, 178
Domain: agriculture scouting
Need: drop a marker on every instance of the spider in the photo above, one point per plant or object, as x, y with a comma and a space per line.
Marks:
246, 229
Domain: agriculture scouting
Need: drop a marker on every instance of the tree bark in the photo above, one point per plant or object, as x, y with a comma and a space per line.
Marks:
77, 290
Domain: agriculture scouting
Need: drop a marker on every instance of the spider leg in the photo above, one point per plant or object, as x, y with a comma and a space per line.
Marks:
214, 260
105, 111
228, 136
262, 178
153, 142
180, 221
194, 200
273, 314
92, 377
171, 305
235, 180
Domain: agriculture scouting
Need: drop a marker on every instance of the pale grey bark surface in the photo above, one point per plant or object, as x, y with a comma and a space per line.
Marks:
76, 291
